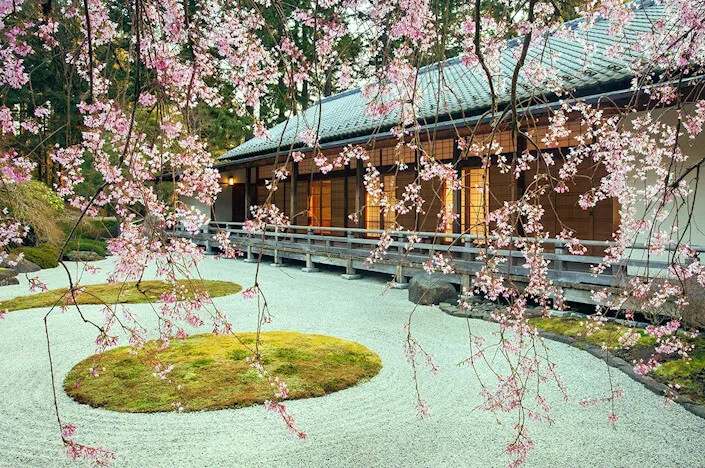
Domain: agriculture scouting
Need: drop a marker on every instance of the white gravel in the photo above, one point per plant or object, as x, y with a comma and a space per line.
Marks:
373, 424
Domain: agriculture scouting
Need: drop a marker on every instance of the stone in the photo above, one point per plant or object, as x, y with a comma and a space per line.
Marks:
310, 270
350, 277
81, 256
472, 299
431, 289
8, 276
694, 312
534, 312
477, 313
25, 266
449, 308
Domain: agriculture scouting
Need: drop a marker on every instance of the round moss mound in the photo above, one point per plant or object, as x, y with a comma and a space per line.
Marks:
213, 372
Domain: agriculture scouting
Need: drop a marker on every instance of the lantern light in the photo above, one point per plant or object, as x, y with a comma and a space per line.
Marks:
231, 181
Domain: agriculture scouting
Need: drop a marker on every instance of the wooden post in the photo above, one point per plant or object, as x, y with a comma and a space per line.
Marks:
310, 267
458, 194
400, 281
277, 261
558, 263
250, 257
464, 283
349, 270
359, 194
248, 202
292, 192
346, 208
519, 187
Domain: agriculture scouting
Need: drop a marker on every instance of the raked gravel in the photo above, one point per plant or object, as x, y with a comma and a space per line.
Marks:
372, 424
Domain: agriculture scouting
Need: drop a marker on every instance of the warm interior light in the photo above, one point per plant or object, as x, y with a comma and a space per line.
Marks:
231, 181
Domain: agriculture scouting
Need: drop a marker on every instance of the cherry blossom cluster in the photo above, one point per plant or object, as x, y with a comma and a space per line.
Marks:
142, 141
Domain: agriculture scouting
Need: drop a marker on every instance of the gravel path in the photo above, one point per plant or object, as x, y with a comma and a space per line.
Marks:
373, 424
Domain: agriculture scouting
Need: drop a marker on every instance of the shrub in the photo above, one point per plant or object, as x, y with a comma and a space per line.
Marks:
44, 255
92, 228
84, 244
34, 204
104, 228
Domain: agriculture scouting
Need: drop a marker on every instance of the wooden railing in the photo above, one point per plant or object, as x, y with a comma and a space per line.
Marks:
350, 247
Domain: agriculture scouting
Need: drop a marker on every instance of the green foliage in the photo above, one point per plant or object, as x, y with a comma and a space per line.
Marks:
105, 228
38, 190
84, 244
35, 205
44, 255
221, 127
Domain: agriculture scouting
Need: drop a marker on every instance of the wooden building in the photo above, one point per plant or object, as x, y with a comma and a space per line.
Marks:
454, 104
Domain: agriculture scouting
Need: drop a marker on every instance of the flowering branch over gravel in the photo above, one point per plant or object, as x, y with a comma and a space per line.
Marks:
139, 139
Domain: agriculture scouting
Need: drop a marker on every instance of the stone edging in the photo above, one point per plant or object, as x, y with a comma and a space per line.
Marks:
613, 361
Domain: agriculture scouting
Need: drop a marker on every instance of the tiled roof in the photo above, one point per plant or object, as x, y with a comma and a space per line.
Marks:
465, 91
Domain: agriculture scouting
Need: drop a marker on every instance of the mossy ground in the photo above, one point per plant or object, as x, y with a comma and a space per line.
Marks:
123, 293
690, 376
214, 372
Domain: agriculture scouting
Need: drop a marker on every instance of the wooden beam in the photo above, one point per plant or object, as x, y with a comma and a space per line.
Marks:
359, 195
248, 202
346, 208
458, 194
292, 191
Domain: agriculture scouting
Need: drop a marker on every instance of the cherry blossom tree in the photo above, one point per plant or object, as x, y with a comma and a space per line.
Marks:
143, 68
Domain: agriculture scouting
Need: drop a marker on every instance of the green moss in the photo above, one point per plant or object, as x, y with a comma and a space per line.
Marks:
287, 369
122, 293
201, 363
608, 334
293, 354
44, 255
688, 375
239, 354
210, 378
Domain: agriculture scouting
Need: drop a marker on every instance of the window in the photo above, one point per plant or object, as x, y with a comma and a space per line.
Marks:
448, 208
391, 155
374, 219
319, 203
475, 199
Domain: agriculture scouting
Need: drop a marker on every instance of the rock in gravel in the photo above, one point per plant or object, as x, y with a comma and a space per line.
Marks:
8, 276
25, 266
694, 313
534, 312
81, 256
431, 289
449, 308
